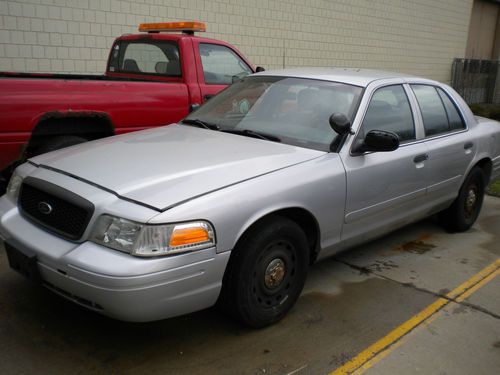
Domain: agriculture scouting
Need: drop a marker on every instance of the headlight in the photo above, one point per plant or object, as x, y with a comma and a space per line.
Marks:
14, 186
152, 240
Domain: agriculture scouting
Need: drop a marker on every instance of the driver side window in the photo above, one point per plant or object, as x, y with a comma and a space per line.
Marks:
390, 110
220, 64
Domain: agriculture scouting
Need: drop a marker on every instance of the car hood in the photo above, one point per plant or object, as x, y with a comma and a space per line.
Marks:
166, 166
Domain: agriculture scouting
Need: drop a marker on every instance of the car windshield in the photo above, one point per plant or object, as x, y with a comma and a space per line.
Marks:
290, 110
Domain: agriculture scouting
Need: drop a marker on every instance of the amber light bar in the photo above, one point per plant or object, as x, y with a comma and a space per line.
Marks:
172, 26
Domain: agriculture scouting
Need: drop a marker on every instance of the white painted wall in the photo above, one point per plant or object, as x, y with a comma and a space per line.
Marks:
420, 37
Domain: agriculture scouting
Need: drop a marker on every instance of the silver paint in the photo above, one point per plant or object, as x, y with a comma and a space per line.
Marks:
180, 173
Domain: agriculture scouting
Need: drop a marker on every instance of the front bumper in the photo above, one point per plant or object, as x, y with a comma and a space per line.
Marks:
114, 283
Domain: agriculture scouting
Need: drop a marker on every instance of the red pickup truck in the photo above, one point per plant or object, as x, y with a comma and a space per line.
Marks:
152, 79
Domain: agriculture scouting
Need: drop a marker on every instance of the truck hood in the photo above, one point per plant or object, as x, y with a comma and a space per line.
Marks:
166, 166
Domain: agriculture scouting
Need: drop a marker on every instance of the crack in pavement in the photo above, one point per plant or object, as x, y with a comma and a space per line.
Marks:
368, 271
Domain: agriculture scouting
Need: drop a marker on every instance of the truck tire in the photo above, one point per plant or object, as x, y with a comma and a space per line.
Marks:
52, 144
266, 272
59, 142
462, 214
6, 174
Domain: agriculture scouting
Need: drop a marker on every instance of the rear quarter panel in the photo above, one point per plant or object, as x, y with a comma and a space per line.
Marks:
130, 105
487, 133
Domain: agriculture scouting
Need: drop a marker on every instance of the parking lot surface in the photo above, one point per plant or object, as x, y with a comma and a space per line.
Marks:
419, 300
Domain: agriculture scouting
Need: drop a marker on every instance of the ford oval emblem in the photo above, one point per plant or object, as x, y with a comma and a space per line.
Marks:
44, 208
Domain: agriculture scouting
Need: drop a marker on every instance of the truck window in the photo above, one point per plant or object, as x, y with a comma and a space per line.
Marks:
146, 57
220, 64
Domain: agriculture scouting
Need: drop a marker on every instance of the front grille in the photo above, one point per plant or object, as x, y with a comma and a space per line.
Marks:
54, 208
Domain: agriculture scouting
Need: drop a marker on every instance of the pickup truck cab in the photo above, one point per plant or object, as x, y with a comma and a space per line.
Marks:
152, 78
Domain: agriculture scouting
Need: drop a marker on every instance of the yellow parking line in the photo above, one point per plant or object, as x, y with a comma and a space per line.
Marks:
381, 348
479, 285
378, 357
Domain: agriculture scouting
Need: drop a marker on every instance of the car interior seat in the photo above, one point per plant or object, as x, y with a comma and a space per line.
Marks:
173, 68
161, 67
130, 65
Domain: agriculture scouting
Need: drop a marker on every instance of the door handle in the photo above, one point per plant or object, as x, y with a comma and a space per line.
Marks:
468, 145
420, 158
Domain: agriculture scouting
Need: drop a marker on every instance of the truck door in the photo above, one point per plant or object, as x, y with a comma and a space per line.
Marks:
218, 67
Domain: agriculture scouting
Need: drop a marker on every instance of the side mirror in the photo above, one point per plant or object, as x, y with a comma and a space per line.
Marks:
340, 123
378, 141
238, 77
259, 69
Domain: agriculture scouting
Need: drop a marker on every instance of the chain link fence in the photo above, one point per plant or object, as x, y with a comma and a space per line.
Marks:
477, 81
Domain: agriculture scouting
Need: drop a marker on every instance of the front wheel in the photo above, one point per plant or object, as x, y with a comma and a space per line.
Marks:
266, 273
462, 214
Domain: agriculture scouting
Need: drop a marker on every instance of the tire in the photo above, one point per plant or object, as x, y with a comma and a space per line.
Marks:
6, 174
59, 142
266, 272
462, 214
52, 144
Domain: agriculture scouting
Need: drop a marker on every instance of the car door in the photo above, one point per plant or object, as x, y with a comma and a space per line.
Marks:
218, 65
385, 189
449, 145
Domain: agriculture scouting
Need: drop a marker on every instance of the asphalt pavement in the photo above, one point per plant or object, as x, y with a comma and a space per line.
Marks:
419, 300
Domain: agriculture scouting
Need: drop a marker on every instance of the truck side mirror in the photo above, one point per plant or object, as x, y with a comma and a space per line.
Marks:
259, 69
193, 107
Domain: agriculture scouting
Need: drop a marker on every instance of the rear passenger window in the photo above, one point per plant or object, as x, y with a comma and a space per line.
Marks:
389, 110
146, 57
438, 112
454, 118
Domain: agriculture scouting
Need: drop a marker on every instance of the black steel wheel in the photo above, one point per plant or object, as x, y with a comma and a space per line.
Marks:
266, 273
462, 214
274, 274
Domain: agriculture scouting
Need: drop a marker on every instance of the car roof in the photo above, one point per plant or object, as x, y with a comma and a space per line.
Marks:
353, 76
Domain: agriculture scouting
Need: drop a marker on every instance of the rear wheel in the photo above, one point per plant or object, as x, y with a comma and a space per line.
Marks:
52, 144
266, 273
462, 214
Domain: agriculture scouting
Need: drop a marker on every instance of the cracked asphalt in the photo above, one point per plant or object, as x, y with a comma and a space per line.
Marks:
349, 303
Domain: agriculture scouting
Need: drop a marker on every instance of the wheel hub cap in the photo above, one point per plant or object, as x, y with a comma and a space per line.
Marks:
275, 273
471, 200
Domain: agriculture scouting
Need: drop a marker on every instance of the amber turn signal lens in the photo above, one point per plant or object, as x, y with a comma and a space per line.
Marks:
188, 236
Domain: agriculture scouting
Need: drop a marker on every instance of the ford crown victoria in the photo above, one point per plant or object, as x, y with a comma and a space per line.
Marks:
232, 204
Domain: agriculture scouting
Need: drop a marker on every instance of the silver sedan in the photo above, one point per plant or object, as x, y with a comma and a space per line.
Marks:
232, 205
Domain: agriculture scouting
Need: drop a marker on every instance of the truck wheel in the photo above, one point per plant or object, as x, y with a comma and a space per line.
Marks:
57, 143
6, 174
462, 214
266, 273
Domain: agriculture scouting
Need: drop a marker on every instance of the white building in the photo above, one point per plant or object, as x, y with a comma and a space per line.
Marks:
420, 37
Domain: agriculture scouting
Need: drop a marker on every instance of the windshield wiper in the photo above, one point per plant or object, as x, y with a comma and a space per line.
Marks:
252, 133
200, 123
